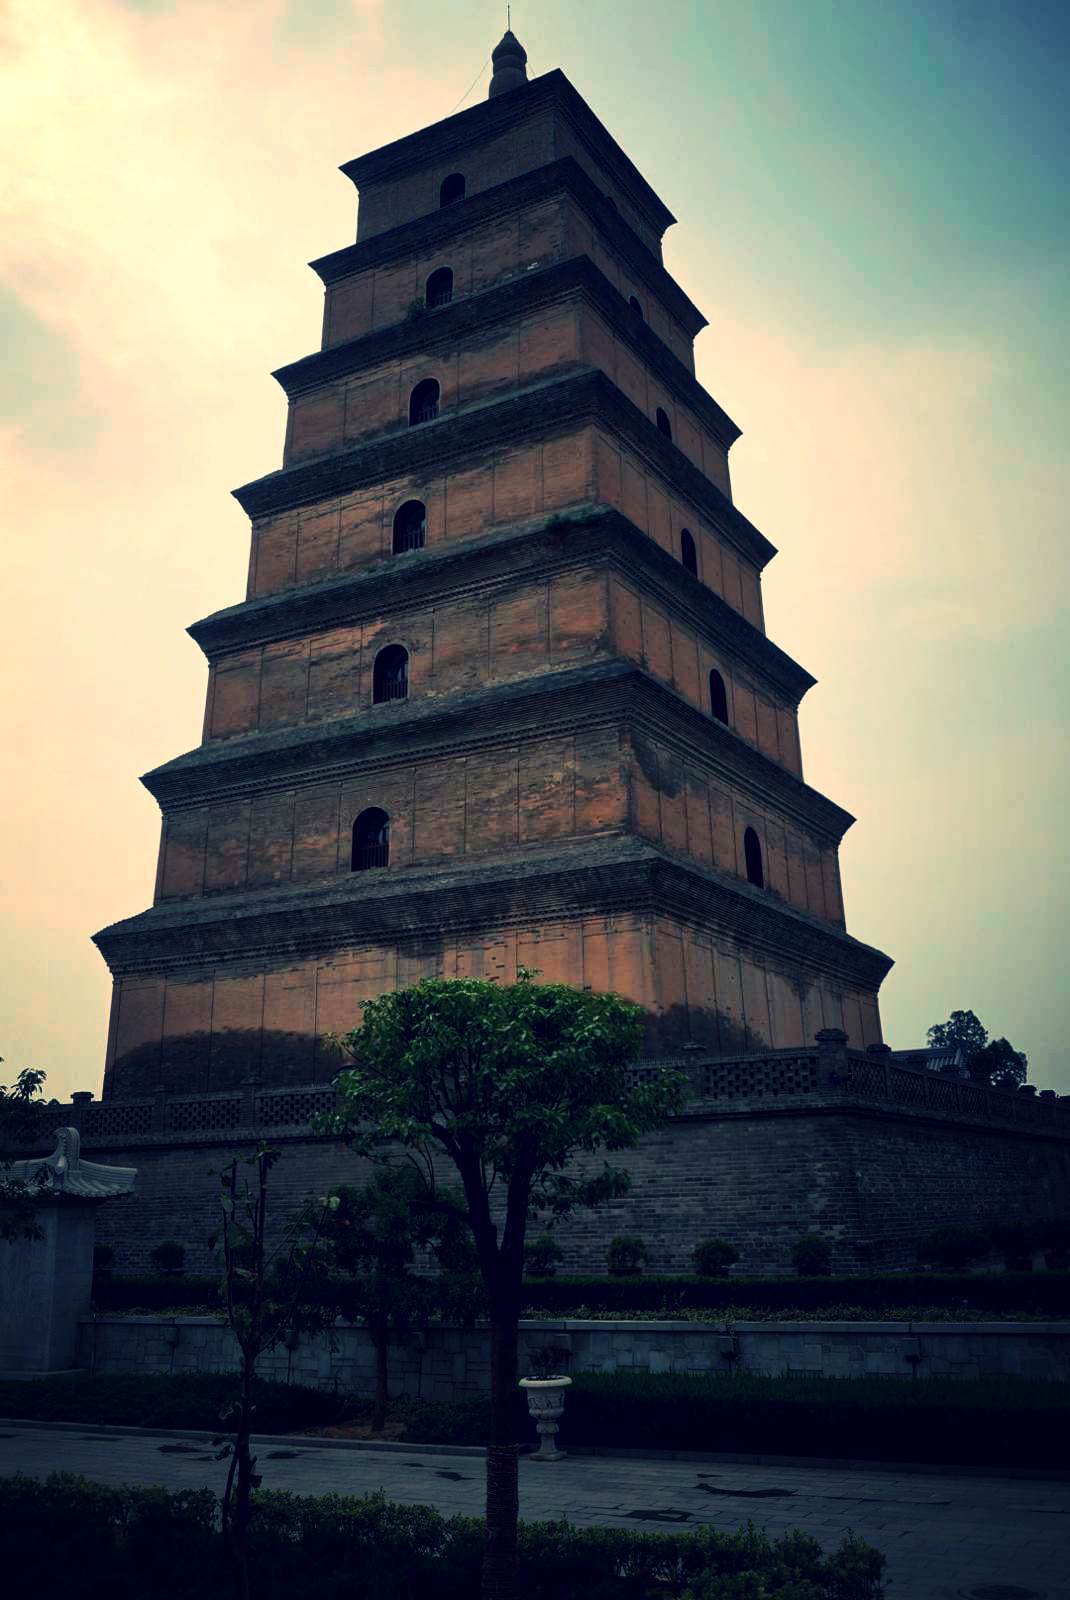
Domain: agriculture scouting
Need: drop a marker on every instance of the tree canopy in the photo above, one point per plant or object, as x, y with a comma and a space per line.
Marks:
993, 1061
22, 1125
509, 1083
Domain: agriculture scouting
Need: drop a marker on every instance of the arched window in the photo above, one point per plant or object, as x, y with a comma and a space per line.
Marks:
439, 290
664, 425
452, 189
688, 553
390, 675
423, 402
636, 307
719, 698
752, 853
410, 526
371, 840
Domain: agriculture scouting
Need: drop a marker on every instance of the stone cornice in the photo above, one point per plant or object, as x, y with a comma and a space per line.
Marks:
538, 548
608, 693
536, 409
439, 228
610, 875
504, 303
489, 117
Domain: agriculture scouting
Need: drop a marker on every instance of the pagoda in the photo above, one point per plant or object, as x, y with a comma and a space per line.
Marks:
500, 693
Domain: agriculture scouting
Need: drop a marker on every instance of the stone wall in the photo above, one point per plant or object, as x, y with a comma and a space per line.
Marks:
452, 1363
844, 1143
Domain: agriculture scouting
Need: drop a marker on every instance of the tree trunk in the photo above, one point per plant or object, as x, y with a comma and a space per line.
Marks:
243, 1481
500, 1566
382, 1345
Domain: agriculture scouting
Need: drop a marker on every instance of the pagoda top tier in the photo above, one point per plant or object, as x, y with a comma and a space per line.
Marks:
556, 121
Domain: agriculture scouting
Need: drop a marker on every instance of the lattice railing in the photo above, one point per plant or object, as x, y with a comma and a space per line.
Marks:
204, 1116
292, 1107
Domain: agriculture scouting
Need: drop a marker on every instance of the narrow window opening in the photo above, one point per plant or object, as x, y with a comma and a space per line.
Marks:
390, 675
718, 696
688, 553
410, 527
452, 189
423, 402
439, 290
664, 425
752, 851
371, 840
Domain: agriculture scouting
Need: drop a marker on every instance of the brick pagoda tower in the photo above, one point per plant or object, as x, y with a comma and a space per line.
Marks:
500, 691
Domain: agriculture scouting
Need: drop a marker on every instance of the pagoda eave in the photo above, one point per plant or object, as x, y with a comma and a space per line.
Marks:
579, 395
541, 547
575, 699
608, 875
473, 313
550, 91
432, 231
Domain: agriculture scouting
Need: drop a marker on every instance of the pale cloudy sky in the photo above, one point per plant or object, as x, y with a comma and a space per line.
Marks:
874, 218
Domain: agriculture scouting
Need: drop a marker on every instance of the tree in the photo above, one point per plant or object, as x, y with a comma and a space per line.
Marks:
265, 1295
987, 1061
22, 1125
374, 1232
509, 1083
999, 1064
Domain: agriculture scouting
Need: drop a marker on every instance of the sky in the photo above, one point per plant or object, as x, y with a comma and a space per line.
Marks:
873, 216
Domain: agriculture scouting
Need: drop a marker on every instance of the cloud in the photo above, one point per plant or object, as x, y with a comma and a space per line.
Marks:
168, 172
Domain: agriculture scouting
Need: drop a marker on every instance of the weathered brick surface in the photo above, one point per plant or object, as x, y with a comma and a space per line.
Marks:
872, 1183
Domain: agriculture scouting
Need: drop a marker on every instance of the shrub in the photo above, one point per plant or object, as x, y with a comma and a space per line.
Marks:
187, 1400
952, 1248
992, 1422
541, 1256
626, 1256
1054, 1237
168, 1256
713, 1257
126, 1543
811, 1256
103, 1258
1015, 1242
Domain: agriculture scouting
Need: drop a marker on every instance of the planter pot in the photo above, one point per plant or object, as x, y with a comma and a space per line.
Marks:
546, 1402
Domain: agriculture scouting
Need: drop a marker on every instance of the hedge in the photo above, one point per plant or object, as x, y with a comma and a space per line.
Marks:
1045, 1294
997, 1422
187, 1400
1002, 1293
124, 1544
946, 1422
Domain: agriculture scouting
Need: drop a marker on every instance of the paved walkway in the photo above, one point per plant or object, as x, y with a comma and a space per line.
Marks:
945, 1537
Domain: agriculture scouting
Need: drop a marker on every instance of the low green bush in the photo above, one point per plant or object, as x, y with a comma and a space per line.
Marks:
168, 1256
627, 1255
811, 1256
541, 1256
952, 1249
127, 1543
713, 1257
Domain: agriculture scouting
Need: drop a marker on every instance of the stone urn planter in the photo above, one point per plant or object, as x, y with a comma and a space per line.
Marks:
546, 1402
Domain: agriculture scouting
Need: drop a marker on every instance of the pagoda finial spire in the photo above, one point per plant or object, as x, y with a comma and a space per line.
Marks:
509, 59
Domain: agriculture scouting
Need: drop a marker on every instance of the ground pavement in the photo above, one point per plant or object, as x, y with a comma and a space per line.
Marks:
945, 1536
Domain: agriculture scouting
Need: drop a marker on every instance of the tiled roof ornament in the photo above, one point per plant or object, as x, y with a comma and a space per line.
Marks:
510, 61
64, 1172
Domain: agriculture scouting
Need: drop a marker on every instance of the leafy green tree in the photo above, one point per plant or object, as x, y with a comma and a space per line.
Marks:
373, 1233
22, 1126
993, 1061
508, 1083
